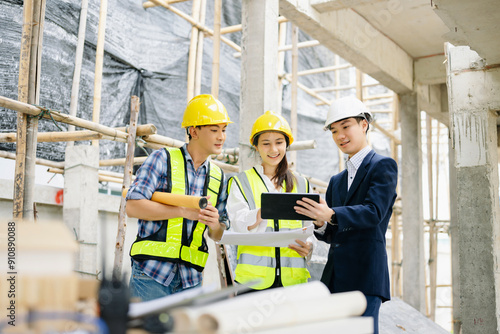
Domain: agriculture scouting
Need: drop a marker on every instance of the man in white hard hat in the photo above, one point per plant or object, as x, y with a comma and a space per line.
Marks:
358, 206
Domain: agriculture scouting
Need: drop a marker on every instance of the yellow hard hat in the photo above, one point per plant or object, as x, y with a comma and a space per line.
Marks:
271, 121
204, 110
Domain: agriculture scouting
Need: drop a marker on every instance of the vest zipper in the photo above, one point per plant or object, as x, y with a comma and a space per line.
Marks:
277, 252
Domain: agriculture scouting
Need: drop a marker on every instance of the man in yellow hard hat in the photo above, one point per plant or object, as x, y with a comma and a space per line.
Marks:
170, 251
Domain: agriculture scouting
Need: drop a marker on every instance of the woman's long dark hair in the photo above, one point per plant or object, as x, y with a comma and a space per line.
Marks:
283, 173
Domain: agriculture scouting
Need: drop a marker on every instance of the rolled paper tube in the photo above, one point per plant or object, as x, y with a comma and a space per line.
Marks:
187, 201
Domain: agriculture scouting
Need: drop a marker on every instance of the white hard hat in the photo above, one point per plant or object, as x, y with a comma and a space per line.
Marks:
346, 107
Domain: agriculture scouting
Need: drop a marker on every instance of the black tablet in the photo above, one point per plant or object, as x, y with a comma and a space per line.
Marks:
280, 205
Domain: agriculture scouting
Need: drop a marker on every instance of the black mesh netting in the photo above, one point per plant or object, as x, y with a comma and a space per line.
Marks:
146, 54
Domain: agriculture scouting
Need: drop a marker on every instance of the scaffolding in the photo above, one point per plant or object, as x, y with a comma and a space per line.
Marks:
383, 105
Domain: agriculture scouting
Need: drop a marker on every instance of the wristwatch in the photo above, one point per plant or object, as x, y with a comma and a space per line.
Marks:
333, 220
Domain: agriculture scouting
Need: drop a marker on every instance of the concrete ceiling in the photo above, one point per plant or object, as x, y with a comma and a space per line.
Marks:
420, 27
412, 24
400, 43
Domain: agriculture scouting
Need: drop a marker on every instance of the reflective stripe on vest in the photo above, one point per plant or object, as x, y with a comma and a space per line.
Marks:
173, 248
257, 262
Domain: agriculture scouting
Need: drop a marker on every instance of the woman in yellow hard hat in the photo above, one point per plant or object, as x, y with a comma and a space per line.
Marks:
271, 266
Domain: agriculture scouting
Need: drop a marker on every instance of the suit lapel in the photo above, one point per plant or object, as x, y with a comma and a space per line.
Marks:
360, 175
342, 187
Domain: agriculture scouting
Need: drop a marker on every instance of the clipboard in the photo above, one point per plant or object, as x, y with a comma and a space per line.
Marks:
280, 205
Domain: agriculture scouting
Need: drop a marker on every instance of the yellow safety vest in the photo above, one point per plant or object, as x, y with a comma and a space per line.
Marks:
266, 263
170, 242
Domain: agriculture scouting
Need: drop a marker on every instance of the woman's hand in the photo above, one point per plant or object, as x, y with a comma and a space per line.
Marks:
304, 248
257, 223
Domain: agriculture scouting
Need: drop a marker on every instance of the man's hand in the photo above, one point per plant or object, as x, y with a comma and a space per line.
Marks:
304, 249
210, 217
320, 212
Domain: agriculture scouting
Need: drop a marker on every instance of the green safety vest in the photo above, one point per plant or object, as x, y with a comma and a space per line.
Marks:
265, 263
170, 242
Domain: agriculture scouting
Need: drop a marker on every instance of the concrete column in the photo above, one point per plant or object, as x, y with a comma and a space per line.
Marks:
411, 188
473, 102
455, 265
80, 210
259, 64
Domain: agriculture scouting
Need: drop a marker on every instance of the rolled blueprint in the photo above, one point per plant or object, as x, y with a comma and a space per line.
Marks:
265, 314
186, 201
212, 318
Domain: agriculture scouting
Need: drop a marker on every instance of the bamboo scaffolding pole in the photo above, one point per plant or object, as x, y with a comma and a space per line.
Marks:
216, 50
381, 111
75, 88
42, 162
302, 145
337, 78
359, 85
385, 132
103, 176
438, 135
22, 119
215, 92
120, 161
99, 60
281, 65
199, 50
238, 27
105, 173
231, 159
324, 69
196, 23
321, 185
150, 4
29, 109
342, 87
142, 130
432, 224
38, 21
307, 44
380, 96
379, 102
162, 140
294, 103
127, 179
191, 74
308, 90
43, 137
226, 167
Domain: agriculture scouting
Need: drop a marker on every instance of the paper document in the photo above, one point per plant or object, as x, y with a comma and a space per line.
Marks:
270, 239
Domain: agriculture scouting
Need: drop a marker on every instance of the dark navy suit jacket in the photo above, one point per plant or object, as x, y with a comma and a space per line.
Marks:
357, 259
